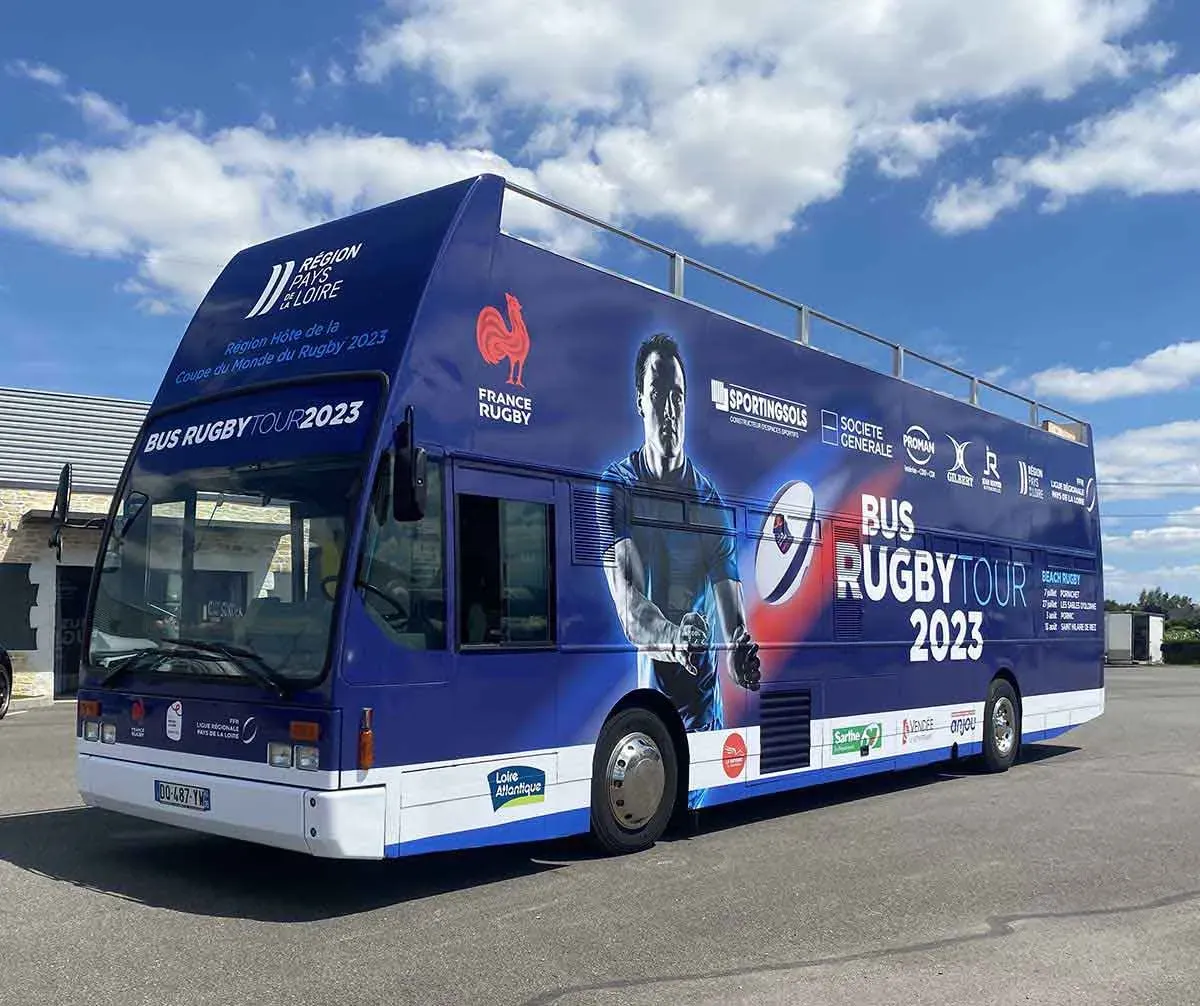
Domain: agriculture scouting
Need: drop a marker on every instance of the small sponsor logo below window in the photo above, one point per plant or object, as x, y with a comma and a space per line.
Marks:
733, 755
517, 785
858, 739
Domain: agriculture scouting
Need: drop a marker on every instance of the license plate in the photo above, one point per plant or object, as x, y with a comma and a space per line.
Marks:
178, 795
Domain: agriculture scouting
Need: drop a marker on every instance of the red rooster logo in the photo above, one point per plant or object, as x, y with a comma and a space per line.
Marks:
497, 340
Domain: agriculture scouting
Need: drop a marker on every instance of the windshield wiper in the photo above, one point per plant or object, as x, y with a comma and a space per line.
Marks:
129, 660
243, 658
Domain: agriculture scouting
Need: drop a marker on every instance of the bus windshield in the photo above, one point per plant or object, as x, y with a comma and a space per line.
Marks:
225, 572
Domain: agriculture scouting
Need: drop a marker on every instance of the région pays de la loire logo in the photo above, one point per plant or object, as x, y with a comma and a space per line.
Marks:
504, 342
314, 281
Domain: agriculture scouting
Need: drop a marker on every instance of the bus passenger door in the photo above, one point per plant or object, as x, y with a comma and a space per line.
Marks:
504, 609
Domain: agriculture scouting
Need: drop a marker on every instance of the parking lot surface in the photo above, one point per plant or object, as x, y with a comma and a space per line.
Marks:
1075, 877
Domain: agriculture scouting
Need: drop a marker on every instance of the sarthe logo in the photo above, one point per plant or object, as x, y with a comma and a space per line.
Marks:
500, 339
860, 738
281, 272
515, 785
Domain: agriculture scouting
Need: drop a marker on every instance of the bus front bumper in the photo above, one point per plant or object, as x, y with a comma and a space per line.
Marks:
336, 824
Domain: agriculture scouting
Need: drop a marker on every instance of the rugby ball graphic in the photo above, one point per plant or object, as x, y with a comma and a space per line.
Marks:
784, 548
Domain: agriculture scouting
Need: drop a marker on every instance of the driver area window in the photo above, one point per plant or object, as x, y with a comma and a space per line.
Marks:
402, 583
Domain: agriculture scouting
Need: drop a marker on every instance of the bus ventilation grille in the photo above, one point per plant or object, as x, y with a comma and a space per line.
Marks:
847, 618
784, 731
848, 609
590, 541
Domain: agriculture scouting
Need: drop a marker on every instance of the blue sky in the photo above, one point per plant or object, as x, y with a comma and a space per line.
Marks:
1010, 187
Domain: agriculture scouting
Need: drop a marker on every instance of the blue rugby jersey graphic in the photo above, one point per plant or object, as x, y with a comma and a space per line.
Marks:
680, 567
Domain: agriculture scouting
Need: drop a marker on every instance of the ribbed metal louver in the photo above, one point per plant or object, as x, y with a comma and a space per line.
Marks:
784, 730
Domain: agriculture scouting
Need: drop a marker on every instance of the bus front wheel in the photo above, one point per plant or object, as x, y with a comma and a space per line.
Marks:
1001, 726
635, 774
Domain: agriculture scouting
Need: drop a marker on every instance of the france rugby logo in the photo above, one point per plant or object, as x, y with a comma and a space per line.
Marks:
784, 549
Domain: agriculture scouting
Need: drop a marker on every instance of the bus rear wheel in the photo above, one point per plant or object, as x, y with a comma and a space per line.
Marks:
635, 774
1001, 727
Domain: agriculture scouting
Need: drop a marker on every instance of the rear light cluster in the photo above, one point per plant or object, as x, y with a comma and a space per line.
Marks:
94, 728
305, 756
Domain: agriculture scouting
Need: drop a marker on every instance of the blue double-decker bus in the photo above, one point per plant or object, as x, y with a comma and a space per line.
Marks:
434, 538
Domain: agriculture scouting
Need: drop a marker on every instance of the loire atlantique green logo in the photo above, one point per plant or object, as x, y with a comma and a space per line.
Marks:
847, 740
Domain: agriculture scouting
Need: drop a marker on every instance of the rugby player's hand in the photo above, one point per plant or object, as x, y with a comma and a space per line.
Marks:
693, 641
744, 664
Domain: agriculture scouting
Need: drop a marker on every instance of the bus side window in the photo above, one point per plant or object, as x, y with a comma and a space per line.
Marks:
506, 583
403, 567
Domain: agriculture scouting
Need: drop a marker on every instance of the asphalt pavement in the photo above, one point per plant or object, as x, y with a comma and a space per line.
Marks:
1075, 877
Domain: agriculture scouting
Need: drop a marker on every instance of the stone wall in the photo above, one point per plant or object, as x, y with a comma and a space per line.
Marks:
24, 540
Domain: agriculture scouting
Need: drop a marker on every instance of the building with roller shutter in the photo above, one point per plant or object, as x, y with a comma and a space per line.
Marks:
42, 598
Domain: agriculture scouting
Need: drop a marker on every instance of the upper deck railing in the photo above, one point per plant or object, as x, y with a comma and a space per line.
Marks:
804, 315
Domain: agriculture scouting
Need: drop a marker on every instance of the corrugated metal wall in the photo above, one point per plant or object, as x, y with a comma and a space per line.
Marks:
40, 431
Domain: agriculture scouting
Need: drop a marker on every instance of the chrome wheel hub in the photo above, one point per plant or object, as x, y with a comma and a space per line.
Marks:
635, 781
1004, 731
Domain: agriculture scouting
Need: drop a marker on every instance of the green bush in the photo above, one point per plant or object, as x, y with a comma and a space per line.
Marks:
1182, 652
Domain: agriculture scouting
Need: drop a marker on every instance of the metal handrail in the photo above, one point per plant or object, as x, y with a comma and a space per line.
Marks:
678, 262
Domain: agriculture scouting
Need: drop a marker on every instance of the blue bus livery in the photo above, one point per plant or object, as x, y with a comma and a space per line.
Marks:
434, 538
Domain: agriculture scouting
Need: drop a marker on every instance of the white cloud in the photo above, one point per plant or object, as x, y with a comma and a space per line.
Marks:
38, 72
1180, 533
1189, 517
1150, 462
101, 112
1155, 539
1149, 147
96, 110
177, 203
730, 119
1121, 584
1168, 369
904, 148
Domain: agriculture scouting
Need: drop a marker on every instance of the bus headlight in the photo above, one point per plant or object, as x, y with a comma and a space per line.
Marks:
91, 730
108, 733
307, 757
279, 755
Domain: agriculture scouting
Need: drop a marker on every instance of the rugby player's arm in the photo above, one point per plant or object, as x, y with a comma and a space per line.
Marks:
741, 651
731, 607
644, 624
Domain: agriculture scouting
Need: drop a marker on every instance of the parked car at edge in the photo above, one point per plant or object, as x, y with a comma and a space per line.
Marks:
5, 681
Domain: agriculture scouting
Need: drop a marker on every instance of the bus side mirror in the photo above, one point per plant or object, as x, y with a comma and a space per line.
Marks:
409, 485
132, 508
60, 510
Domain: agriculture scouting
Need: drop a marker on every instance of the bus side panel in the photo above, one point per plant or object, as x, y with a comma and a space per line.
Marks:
880, 543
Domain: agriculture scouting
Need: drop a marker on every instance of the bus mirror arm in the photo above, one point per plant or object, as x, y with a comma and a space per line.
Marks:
408, 473
61, 509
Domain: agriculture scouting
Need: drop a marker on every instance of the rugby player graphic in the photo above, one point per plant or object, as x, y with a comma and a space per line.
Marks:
672, 585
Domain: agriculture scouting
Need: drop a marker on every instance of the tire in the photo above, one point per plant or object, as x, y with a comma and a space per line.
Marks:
634, 754
1001, 727
5, 689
